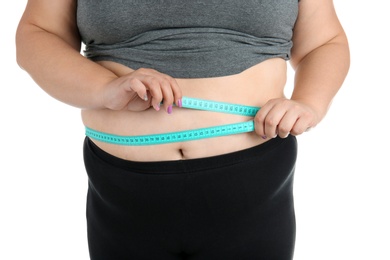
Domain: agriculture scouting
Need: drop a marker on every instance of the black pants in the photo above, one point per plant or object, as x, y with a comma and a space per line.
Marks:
233, 206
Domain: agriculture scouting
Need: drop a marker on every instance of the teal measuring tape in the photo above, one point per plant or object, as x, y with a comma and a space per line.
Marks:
221, 107
187, 135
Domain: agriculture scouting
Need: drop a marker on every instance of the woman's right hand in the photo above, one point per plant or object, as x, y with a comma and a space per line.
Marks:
141, 89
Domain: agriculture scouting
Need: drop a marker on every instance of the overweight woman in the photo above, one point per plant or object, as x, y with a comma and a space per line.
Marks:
190, 141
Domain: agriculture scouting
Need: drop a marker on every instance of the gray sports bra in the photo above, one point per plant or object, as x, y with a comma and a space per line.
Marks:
187, 38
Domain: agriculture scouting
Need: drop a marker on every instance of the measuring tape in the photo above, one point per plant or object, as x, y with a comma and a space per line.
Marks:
187, 135
222, 107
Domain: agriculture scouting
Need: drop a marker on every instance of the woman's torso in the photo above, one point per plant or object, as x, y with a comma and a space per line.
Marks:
199, 43
253, 87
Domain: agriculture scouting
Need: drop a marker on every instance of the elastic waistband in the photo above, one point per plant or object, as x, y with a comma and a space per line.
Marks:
193, 165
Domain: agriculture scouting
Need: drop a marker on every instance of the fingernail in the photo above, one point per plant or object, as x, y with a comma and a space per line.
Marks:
170, 109
157, 107
146, 97
264, 137
180, 103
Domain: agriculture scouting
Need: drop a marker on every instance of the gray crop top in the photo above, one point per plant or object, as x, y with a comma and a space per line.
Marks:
187, 38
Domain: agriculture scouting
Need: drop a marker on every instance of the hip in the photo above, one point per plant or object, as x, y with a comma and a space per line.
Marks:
203, 205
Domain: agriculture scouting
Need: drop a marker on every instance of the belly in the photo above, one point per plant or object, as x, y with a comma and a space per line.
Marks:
253, 87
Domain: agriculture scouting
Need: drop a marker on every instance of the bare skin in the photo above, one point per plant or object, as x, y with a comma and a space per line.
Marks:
252, 87
119, 100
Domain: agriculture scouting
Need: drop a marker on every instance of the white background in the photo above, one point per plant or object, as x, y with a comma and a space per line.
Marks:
342, 179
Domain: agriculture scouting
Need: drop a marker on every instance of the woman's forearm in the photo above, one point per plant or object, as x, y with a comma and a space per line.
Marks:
320, 74
59, 68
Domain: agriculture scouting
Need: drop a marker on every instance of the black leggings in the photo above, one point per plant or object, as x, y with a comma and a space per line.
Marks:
233, 206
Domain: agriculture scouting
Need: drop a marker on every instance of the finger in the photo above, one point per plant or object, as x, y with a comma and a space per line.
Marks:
260, 118
154, 87
176, 90
287, 123
137, 86
171, 92
274, 117
149, 79
168, 95
272, 122
302, 125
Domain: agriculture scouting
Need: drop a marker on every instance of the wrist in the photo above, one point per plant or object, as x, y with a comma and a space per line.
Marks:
317, 107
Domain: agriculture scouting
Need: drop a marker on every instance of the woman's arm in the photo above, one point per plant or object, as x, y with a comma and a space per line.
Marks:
48, 48
320, 58
320, 55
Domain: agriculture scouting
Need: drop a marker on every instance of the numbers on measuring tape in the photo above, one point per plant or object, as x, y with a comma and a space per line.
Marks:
187, 135
172, 137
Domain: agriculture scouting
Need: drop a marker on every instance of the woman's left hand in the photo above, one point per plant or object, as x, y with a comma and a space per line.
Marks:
281, 117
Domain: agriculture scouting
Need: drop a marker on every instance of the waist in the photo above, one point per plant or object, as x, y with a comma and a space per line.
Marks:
187, 135
253, 87
158, 136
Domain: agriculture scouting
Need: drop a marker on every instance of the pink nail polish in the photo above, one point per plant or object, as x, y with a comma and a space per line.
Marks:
170, 109
264, 137
180, 103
